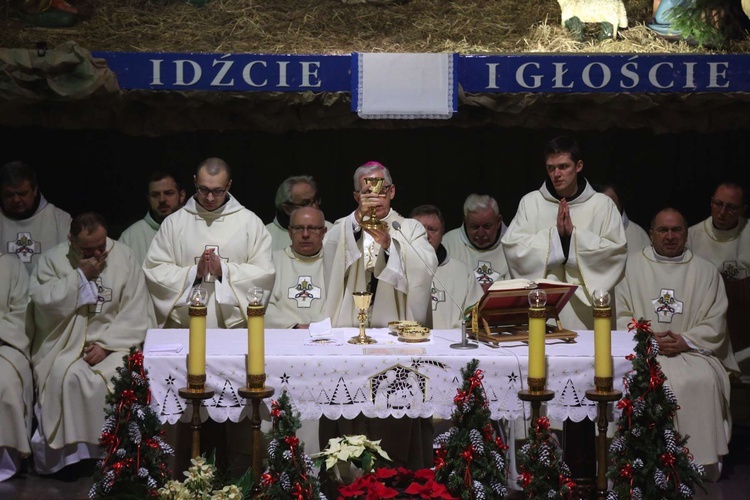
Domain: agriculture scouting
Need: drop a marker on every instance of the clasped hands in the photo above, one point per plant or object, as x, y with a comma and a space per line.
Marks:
209, 263
93, 354
670, 343
564, 223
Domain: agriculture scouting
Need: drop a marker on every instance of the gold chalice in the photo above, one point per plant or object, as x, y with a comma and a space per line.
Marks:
362, 302
371, 221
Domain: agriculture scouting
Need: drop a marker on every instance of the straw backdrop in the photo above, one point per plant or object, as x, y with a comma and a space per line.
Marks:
333, 27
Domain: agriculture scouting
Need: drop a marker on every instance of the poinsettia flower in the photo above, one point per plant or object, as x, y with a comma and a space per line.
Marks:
424, 475
430, 489
386, 473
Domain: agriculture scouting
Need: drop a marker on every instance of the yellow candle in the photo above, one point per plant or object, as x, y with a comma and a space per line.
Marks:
256, 350
537, 332
602, 342
197, 341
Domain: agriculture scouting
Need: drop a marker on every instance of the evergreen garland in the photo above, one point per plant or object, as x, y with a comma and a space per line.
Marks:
471, 461
708, 23
648, 456
133, 466
290, 473
544, 473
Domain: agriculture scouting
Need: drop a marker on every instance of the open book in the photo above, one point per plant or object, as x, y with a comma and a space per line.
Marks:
507, 302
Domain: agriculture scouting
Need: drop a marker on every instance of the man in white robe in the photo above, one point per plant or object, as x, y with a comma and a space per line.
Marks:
298, 297
90, 305
29, 224
635, 236
724, 240
295, 192
393, 264
566, 231
213, 241
683, 296
477, 241
16, 382
164, 197
454, 280
396, 266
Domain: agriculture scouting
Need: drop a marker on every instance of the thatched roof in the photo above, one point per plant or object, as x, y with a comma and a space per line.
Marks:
334, 27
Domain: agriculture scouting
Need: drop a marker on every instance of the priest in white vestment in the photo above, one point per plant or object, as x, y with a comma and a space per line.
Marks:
16, 381
90, 305
396, 266
683, 296
213, 241
454, 281
298, 297
295, 192
477, 241
568, 232
724, 240
29, 224
164, 197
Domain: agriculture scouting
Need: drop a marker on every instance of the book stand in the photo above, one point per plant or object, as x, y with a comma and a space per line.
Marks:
503, 315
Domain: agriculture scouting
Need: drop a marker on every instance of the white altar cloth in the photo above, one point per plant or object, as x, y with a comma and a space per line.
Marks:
390, 378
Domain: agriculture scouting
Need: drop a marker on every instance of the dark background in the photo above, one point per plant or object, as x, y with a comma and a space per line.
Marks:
106, 170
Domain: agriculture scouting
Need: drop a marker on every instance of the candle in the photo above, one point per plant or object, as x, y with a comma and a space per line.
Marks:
197, 339
537, 333
256, 351
602, 334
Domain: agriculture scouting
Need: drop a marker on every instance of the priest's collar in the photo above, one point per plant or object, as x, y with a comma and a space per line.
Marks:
442, 254
581, 187
683, 257
724, 234
229, 207
302, 258
151, 222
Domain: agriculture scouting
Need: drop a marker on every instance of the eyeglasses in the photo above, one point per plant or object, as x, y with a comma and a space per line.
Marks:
303, 203
204, 191
720, 205
309, 229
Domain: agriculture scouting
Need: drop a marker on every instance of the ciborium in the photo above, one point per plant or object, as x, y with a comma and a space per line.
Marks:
362, 302
371, 221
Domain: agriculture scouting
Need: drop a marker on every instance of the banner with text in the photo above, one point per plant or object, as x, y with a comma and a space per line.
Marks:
524, 73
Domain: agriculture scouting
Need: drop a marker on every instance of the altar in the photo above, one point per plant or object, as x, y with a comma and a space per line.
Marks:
389, 378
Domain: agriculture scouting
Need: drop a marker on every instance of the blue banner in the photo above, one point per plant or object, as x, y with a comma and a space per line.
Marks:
605, 73
230, 72
525, 73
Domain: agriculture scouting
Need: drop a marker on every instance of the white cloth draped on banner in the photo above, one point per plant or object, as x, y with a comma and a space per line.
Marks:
404, 85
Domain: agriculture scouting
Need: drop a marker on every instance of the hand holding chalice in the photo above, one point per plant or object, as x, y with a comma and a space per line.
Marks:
371, 221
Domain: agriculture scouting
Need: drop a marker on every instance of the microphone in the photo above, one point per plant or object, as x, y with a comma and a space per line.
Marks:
463, 344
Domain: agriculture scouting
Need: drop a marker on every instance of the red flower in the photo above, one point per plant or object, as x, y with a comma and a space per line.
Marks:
386, 473
430, 489
424, 475
630, 357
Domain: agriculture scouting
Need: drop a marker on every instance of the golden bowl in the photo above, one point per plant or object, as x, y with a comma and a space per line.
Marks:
414, 334
397, 326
